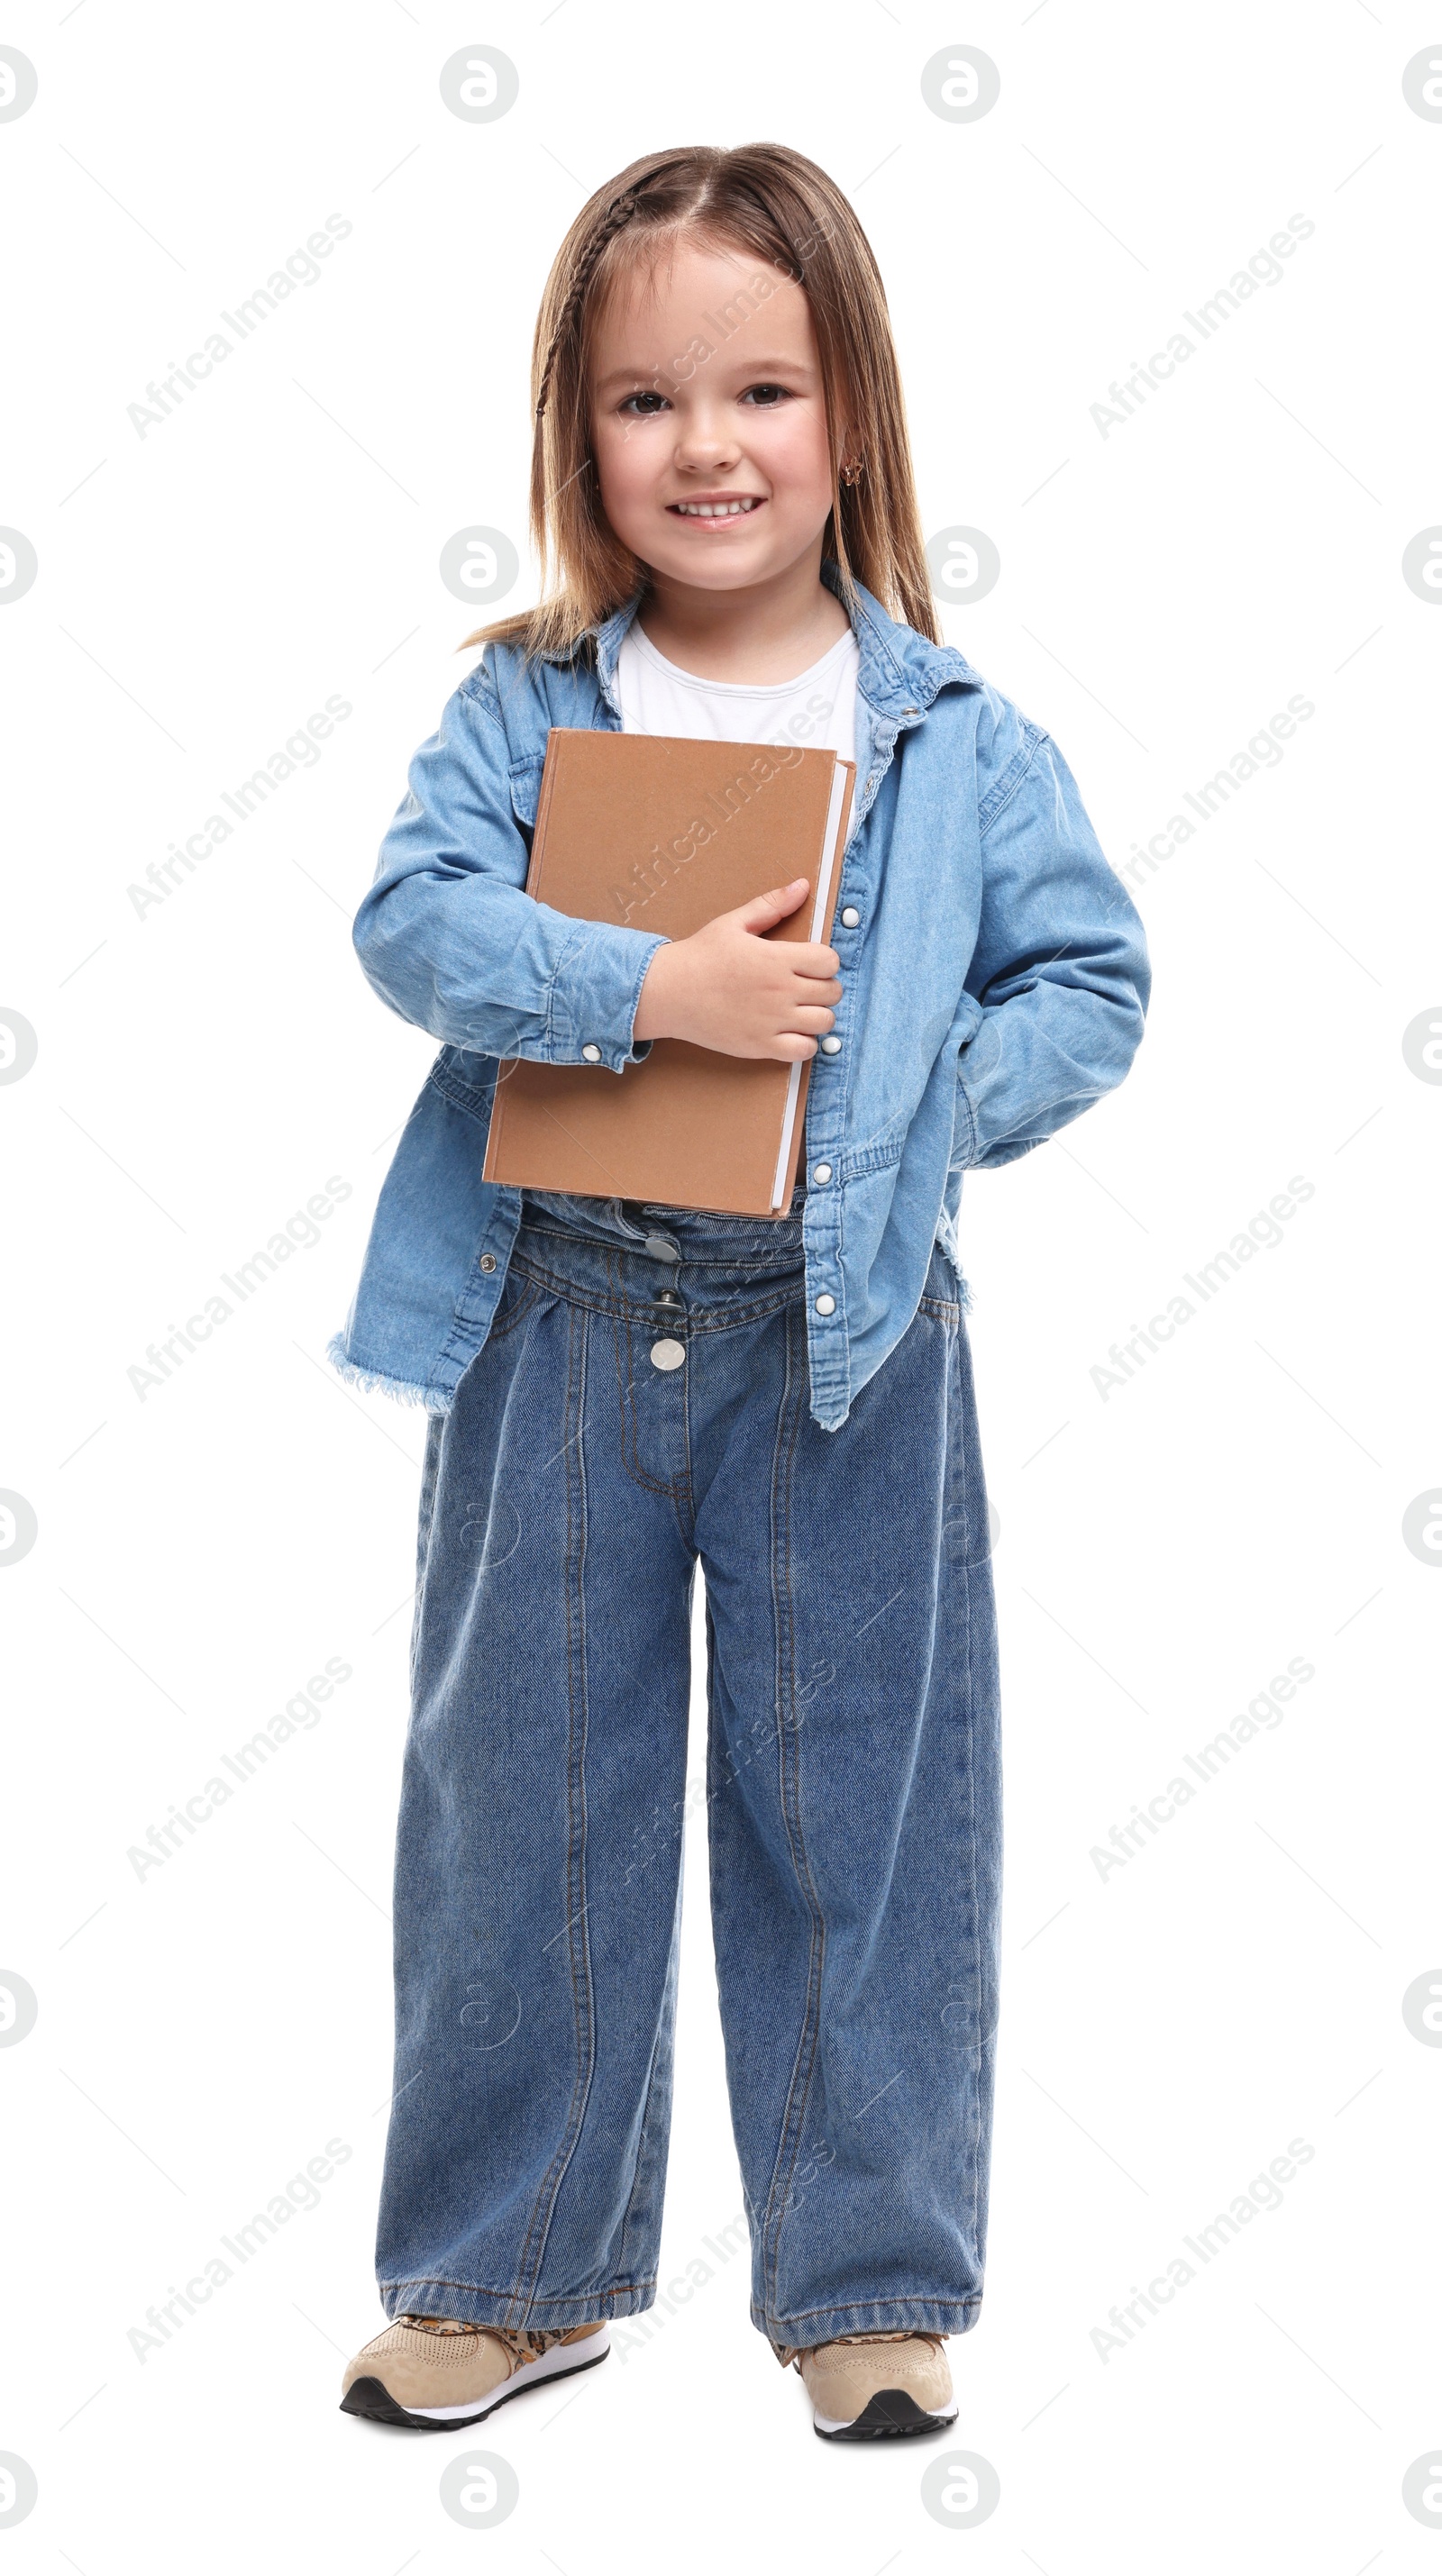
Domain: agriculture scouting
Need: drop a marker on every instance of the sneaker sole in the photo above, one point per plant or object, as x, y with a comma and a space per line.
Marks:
891, 2415
371, 2399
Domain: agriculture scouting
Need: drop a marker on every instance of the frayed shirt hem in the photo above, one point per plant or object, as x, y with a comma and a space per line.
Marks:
375, 1382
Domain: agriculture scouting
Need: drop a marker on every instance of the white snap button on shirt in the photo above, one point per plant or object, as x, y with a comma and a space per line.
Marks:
825, 1305
822, 1172
592, 1054
667, 1355
850, 917
831, 1046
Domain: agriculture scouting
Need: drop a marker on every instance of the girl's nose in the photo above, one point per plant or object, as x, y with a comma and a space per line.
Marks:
706, 446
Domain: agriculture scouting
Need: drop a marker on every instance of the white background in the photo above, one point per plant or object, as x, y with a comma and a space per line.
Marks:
205, 1068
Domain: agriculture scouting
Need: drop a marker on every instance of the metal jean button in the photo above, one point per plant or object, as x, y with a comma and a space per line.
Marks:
667, 1354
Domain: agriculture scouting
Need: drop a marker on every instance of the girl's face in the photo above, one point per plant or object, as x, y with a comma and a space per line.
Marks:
708, 420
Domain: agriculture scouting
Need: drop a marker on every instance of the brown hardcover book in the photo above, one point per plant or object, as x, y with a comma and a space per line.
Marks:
661, 832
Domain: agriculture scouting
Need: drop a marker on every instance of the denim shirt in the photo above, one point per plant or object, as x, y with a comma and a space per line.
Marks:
995, 980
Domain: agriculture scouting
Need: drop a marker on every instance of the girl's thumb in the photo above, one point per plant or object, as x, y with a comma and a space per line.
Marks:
763, 909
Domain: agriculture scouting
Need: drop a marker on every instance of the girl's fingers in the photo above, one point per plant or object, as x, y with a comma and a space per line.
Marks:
808, 957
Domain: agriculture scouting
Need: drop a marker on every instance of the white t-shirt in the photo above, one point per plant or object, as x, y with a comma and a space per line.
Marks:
816, 709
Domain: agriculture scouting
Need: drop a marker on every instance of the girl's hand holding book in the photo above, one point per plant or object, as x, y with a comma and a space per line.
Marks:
730, 989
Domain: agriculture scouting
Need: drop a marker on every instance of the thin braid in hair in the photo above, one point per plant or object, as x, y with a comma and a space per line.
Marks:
616, 220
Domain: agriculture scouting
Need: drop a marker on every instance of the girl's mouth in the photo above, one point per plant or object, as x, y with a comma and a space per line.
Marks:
722, 513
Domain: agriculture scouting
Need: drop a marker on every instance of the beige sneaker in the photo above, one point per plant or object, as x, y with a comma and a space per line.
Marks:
433, 2374
864, 2388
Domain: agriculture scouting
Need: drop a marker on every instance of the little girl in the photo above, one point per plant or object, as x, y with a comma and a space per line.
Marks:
722, 497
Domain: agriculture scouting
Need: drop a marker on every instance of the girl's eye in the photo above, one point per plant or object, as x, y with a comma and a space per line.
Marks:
766, 397
652, 402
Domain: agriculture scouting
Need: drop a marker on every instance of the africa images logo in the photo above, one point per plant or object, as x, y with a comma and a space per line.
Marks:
166, 394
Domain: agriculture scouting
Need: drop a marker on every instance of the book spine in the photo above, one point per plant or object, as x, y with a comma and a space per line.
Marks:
543, 810
798, 1132
495, 1133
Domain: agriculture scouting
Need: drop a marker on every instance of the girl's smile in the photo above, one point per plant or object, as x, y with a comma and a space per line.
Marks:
718, 510
719, 505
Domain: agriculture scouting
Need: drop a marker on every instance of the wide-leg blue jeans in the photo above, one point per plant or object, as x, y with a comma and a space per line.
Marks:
641, 1405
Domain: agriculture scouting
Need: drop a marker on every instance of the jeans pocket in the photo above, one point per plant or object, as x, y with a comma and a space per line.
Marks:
515, 1301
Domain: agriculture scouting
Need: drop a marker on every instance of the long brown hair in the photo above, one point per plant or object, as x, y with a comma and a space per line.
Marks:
776, 203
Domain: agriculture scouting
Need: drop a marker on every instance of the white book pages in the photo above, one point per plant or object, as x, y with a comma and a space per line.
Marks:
829, 855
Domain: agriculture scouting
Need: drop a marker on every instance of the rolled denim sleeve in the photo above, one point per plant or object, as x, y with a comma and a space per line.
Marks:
451, 941
1060, 969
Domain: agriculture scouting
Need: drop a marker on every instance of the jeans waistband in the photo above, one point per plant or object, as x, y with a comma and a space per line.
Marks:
677, 1270
706, 1234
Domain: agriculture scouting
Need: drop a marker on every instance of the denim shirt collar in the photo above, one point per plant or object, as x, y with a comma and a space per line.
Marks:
900, 671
